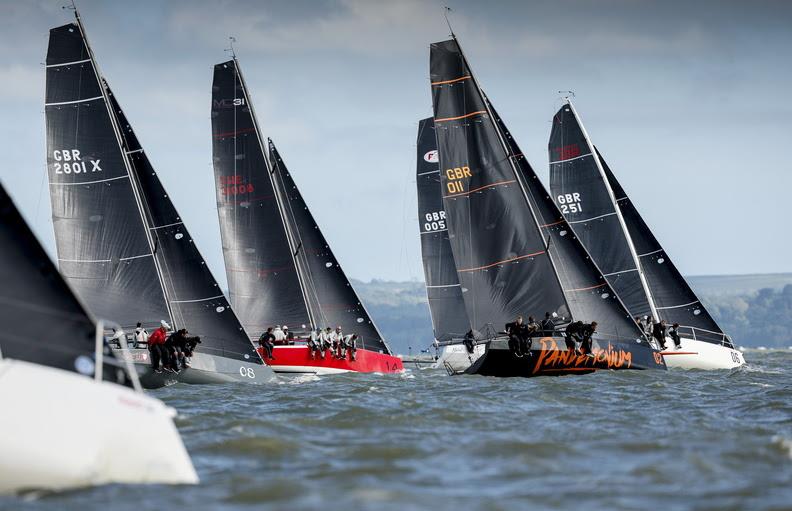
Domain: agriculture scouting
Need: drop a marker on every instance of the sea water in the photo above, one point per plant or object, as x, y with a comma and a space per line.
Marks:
424, 440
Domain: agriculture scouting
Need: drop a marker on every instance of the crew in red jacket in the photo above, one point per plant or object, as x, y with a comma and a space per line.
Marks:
156, 346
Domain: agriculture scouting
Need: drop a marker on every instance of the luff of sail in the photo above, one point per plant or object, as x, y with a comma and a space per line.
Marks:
45, 322
262, 274
587, 205
194, 296
446, 304
103, 251
329, 292
506, 270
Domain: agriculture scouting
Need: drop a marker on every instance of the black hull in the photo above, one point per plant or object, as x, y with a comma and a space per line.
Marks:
549, 357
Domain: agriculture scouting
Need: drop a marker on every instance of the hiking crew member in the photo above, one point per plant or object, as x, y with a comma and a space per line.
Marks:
547, 325
518, 336
313, 344
156, 346
338, 342
169, 361
280, 337
289, 335
116, 337
640, 322
659, 333
323, 341
267, 342
469, 341
572, 335
141, 336
351, 346
673, 333
532, 330
648, 327
585, 333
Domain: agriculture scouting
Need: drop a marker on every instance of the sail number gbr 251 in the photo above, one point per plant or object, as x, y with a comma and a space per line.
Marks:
69, 161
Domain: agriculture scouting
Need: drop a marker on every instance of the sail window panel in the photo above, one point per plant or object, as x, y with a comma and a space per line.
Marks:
567, 141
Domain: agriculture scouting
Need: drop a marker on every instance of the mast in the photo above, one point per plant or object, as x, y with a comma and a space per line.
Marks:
281, 210
127, 165
510, 156
619, 215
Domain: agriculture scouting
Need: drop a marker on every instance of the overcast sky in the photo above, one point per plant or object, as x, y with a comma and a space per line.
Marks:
688, 102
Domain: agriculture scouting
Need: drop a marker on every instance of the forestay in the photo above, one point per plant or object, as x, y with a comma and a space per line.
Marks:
446, 304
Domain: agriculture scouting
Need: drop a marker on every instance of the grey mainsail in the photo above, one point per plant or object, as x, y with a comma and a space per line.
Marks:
446, 304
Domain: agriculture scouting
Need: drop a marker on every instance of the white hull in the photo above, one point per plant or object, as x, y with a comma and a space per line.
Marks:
60, 430
701, 355
456, 359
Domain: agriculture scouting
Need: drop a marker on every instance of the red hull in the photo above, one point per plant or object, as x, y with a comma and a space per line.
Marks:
297, 359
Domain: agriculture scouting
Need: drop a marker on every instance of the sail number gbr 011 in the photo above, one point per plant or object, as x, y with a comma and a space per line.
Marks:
455, 177
69, 161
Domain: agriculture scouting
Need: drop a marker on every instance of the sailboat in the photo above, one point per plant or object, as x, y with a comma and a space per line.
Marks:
450, 321
121, 243
280, 268
513, 250
55, 372
634, 262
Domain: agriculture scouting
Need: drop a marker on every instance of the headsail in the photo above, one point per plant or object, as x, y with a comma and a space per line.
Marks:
666, 290
496, 191
505, 269
196, 300
329, 292
584, 198
100, 237
447, 307
262, 275
44, 322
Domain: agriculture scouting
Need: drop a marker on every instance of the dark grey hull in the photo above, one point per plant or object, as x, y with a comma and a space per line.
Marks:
204, 369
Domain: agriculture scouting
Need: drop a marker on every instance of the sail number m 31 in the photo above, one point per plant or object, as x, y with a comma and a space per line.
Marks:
455, 177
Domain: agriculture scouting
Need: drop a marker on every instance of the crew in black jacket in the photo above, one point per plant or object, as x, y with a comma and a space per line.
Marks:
518, 337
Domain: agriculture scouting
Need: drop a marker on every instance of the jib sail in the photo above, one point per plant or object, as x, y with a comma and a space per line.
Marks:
447, 307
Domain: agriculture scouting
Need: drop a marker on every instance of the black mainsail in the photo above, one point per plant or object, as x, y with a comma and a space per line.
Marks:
666, 293
44, 321
280, 267
514, 252
103, 250
262, 275
446, 304
120, 241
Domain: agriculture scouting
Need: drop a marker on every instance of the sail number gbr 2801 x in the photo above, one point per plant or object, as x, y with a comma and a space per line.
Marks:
69, 161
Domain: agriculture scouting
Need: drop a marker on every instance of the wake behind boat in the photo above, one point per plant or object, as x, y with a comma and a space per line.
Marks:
69, 418
514, 252
120, 241
634, 262
280, 268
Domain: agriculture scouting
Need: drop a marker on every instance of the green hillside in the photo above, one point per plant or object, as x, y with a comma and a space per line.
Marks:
756, 310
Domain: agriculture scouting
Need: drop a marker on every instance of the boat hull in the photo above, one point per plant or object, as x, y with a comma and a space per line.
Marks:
550, 357
297, 359
456, 359
204, 369
61, 430
701, 355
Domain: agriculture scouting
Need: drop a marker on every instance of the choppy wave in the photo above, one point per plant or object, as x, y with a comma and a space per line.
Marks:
422, 439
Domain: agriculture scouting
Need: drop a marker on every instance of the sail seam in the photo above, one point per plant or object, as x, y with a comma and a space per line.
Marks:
446, 285
430, 172
72, 102
454, 80
89, 182
618, 272
135, 151
102, 260
69, 63
479, 188
570, 159
677, 306
471, 114
163, 226
198, 300
650, 253
588, 288
592, 218
433, 232
554, 223
502, 262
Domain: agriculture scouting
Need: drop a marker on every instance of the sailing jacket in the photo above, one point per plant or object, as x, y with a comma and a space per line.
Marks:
158, 337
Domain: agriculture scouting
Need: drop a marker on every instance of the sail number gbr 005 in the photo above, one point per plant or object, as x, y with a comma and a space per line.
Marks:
455, 177
435, 221
69, 161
